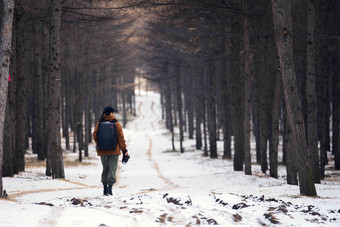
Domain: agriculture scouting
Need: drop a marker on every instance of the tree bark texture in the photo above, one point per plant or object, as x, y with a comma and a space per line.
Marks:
322, 81
10, 118
20, 94
236, 99
169, 111
55, 83
189, 104
312, 115
45, 82
204, 111
179, 105
6, 25
226, 113
247, 85
336, 116
274, 135
37, 115
212, 110
282, 15
290, 161
198, 109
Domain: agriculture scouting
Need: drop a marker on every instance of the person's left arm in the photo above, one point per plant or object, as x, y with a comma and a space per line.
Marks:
121, 139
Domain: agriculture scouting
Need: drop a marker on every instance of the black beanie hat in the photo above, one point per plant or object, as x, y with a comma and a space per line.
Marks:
108, 110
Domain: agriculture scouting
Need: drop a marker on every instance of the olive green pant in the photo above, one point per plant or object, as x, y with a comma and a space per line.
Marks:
109, 163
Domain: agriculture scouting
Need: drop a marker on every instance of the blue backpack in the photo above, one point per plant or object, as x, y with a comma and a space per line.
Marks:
107, 135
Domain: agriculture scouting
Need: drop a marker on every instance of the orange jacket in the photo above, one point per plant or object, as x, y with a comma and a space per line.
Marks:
121, 145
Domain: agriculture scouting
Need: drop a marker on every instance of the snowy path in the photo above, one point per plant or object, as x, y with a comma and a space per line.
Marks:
158, 187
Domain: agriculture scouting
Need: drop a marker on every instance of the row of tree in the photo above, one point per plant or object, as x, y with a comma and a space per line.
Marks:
264, 68
67, 60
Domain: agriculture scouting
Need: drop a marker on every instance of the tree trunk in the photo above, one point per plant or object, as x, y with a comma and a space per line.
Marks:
169, 110
67, 109
204, 112
19, 164
236, 94
322, 80
255, 109
282, 15
87, 112
79, 130
124, 107
274, 136
75, 112
198, 110
312, 115
54, 105
263, 117
6, 24
65, 78
10, 118
336, 116
37, 117
290, 161
247, 85
189, 102
226, 115
80, 114
212, 109
45, 82
179, 106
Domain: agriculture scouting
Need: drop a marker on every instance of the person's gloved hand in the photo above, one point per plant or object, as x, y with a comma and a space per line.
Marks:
126, 157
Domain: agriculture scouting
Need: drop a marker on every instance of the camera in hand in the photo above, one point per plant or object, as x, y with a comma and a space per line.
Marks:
125, 157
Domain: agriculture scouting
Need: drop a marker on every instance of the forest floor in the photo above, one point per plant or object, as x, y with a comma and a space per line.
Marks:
159, 187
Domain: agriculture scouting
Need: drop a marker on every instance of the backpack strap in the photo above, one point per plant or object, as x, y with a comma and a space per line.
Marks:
114, 121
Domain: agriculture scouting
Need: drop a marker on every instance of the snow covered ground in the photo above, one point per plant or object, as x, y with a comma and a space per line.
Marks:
158, 187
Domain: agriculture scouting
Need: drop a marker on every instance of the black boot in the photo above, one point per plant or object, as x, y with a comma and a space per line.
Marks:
105, 189
109, 189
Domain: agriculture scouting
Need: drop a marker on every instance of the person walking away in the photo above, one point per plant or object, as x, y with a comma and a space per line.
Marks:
109, 137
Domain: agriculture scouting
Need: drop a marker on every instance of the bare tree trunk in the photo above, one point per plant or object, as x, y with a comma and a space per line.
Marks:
322, 80
80, 115
204, 113
75, 110
290, 162
124, 106
274, 136
189, 102
282, 15
179, 106
10, 118
198, 110
212, 109
237, 94
45, 99
20, 95
65, 103
262, 116
79, 130
312, 115
38, 96
247, 85
54, 105
336, 116
255, 110
169, 110
226, 115
6, 24
67, 109
87, 112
